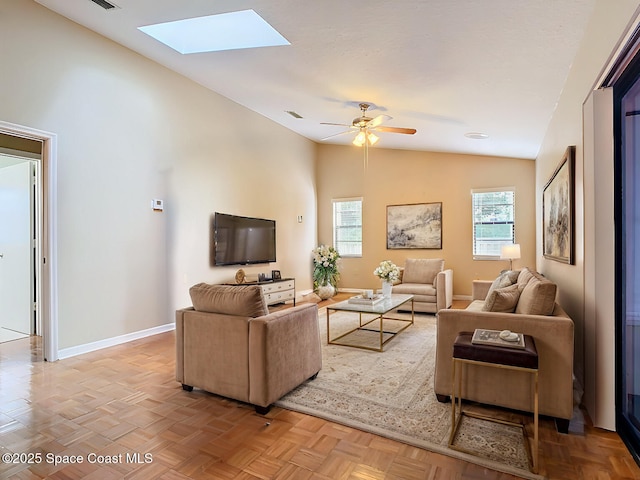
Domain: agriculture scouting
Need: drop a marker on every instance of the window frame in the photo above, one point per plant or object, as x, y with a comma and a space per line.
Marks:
474, 223
336, 243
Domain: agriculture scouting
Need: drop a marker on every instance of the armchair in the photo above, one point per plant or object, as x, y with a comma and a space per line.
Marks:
229, 344
428, 281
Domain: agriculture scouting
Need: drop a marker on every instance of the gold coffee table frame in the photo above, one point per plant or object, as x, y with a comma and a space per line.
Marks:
379, 310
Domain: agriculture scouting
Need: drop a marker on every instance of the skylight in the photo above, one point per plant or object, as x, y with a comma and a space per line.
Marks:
227, 31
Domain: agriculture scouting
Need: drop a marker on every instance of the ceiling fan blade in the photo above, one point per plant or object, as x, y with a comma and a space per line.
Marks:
336, 135
408, 131
338, 124
378, 120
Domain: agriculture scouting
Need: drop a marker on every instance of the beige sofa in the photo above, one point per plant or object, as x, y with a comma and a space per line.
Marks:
229, 344
429, 283
528, 306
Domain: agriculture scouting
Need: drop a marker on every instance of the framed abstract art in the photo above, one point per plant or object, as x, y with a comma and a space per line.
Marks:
558, 211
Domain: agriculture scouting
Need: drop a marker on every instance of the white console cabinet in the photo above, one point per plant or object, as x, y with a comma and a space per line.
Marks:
279, 291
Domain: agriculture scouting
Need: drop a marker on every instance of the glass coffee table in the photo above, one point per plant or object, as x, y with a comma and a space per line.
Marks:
374, 321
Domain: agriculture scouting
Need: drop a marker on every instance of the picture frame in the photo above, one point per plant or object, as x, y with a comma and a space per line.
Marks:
558, 211
414, 226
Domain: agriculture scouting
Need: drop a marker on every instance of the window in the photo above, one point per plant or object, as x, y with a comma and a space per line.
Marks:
347, 226
493, 221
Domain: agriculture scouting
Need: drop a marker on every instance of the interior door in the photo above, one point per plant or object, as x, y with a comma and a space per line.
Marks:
16, 247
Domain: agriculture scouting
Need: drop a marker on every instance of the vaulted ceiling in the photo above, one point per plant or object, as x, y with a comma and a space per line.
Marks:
444, 67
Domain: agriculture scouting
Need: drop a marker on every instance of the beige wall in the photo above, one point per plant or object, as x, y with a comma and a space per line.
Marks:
607, 25
129, 131
396, 177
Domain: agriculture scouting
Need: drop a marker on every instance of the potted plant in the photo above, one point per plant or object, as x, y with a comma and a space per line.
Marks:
325, 271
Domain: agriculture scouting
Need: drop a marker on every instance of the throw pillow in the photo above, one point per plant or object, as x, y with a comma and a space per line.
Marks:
422, 270
505, 279
512, 274
525, 276
538, 296
244, 301
502, 299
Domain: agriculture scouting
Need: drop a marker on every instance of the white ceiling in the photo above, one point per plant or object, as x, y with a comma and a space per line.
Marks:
444, 67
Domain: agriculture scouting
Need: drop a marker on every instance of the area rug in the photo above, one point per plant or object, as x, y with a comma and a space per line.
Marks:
390, 393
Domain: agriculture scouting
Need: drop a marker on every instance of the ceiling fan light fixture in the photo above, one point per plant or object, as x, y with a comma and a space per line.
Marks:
364, 128
365, 137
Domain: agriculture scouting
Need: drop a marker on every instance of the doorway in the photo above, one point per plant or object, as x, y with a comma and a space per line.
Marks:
45, 225
18, 276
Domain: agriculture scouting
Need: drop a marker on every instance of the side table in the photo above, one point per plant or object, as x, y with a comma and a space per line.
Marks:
524, 360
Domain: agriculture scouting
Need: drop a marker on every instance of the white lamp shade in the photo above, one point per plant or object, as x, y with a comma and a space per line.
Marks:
509, 252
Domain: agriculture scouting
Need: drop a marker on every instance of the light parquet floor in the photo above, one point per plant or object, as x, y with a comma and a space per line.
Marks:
121, 411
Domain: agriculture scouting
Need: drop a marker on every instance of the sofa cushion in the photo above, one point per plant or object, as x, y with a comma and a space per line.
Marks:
476, 306
422, 270
502, 299
538, 296
244, 301
505, 279
415, 289
422, 292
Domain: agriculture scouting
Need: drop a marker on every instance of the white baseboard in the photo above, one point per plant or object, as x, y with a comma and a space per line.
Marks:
111, 342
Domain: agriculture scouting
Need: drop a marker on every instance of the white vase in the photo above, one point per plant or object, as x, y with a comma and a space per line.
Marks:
326, 291
386, 289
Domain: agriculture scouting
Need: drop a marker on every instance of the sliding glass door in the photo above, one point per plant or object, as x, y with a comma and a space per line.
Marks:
627, 98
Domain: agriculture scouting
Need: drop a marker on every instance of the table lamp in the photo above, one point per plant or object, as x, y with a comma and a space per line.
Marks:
509, 252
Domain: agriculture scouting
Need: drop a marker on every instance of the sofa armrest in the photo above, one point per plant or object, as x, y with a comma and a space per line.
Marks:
554, 337
444, 289
180, 343
480, 289
284, 351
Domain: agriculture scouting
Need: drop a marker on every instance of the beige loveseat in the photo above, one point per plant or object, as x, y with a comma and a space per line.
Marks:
229, 344
429, 283
527, 306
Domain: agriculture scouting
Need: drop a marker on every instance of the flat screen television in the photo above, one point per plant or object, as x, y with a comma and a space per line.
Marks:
243, 240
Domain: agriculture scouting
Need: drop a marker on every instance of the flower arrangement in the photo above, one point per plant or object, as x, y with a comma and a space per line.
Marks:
387, 271
325, 266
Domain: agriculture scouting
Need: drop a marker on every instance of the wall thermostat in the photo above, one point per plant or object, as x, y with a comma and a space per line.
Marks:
157, 204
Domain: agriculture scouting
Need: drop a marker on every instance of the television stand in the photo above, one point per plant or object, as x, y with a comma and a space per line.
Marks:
275, 291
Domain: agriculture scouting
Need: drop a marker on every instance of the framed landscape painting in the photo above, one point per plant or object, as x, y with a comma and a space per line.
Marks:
558, 211
414, 226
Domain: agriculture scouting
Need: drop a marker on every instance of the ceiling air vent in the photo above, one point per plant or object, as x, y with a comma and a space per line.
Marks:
104, 4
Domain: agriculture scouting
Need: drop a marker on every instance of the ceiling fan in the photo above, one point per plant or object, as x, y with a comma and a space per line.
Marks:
365, 126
